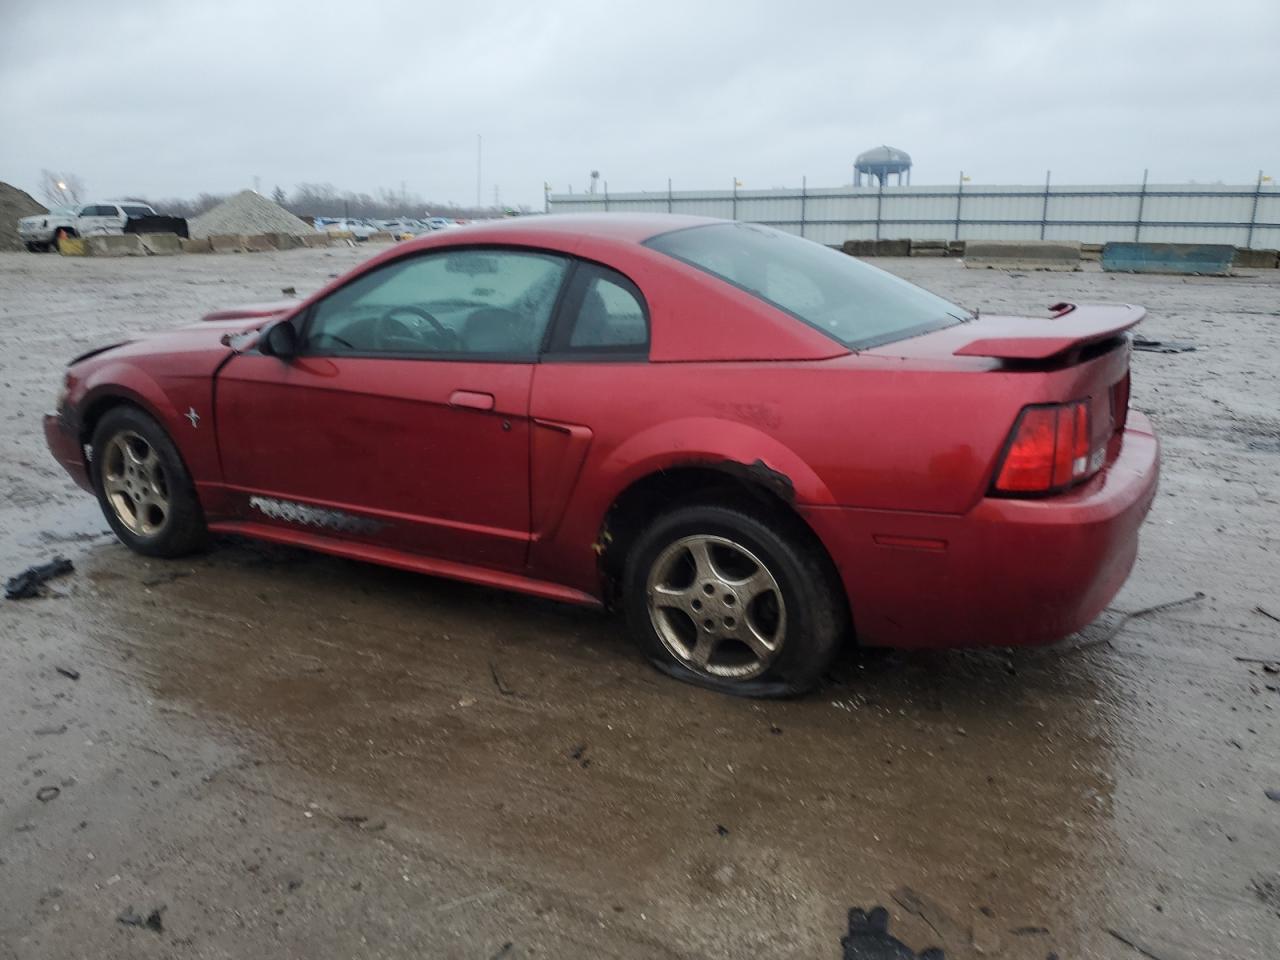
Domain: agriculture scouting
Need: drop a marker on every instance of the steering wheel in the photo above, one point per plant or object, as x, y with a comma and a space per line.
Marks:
390, 332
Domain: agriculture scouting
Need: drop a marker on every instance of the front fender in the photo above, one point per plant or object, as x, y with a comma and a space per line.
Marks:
126, 382
170, 400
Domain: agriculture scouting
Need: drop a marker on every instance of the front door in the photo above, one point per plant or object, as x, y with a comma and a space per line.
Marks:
403, 421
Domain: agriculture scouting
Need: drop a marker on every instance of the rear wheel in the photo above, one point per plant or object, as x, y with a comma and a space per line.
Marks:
143, 486
735, 600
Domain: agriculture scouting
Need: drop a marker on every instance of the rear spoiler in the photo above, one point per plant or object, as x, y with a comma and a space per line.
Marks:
1069, 327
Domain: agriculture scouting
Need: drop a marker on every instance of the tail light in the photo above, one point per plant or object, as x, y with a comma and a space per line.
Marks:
1048, 449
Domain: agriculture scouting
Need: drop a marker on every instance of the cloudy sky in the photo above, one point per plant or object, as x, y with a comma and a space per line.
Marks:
171, 99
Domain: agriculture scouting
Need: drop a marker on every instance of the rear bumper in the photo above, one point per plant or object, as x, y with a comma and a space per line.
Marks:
1009, 572
65, 447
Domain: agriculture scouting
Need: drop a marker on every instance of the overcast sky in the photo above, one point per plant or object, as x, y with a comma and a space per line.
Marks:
174, 98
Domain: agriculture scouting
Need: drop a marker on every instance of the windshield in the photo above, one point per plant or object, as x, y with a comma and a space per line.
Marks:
848, 300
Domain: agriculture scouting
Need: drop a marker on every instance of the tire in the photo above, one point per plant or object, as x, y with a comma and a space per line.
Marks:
771, 614
143, 486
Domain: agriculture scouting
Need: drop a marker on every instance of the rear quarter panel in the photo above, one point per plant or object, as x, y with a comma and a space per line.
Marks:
861, 431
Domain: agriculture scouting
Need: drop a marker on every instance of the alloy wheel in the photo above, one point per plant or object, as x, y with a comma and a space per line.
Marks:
135, 484
716, 607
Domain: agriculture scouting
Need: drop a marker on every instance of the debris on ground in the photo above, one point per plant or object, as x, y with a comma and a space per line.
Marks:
497, 682
722, 830
68, 672
1267, 613
1267, 889
938, 920
1272, 794
247, 213
27, 584
579, 753
167, 577
868, 938
14, 205
152, 921
45, 794
50, 731
1138, 615
1162, 346
1134, 945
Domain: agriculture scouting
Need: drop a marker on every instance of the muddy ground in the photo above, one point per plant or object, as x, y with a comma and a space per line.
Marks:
291, 755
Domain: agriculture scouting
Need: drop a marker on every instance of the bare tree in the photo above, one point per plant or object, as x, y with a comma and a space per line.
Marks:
61, 189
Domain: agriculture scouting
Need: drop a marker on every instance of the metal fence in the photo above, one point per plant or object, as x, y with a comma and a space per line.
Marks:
1244, 216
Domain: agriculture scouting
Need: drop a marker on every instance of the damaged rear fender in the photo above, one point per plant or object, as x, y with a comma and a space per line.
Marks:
736, 448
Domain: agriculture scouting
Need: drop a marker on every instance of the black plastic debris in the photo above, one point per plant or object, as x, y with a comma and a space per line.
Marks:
869, 939
27, 584
45, 794
152, 921
1162, 346
68, 672
1272, 794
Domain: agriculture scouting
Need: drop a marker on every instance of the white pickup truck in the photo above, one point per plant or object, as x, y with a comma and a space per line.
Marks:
100, 218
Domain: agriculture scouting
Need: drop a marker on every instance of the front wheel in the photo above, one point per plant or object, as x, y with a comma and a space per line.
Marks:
143, 486
734, 600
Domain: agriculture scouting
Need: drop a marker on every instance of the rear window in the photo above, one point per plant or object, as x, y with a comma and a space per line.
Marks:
133, 210
848, 300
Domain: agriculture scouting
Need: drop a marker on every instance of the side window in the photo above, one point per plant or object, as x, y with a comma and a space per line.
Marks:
605, 313
463, 303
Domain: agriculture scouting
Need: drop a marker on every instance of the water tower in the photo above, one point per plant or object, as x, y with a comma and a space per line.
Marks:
880, 163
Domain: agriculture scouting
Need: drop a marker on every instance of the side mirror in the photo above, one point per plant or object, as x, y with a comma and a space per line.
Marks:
279, 340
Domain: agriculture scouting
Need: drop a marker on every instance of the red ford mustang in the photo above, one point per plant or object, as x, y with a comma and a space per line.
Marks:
755, 445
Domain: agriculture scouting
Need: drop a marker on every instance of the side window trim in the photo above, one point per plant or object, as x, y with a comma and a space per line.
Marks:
568, 310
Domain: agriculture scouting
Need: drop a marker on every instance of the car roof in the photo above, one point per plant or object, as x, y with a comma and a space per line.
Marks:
633, 227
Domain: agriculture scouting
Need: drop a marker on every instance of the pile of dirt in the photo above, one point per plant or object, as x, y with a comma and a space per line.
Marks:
14, 205
249, 213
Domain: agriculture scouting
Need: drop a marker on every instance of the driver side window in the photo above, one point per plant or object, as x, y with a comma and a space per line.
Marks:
460, 303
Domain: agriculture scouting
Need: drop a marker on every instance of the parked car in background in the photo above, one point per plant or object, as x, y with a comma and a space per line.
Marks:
440, 223
359, 229
108, 217
43, 230
405, 227
755, 446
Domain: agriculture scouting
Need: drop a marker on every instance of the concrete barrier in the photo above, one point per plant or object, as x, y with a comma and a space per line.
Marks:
1022, 255
285, 241
1257, 259
1199, 259
1091, 251
381, 236
196, 245
316, 240
258, 243
877, 248
125, 245
929, 248
161, 244
72, 247
226, 243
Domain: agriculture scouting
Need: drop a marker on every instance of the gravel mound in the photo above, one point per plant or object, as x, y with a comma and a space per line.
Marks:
14, 205
250, 213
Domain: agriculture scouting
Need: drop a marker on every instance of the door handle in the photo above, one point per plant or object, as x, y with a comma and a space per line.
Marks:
471, 400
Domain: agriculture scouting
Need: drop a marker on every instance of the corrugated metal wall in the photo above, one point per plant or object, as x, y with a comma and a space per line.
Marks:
1244, 216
